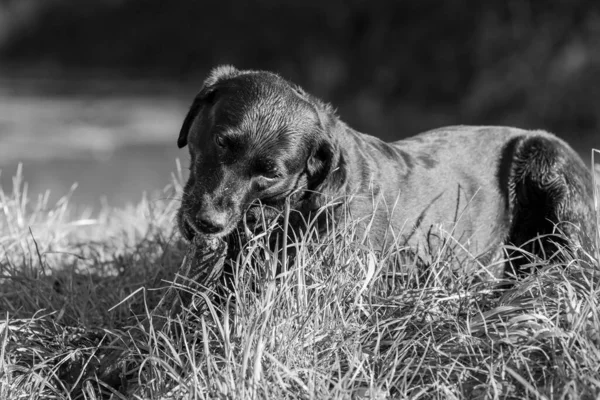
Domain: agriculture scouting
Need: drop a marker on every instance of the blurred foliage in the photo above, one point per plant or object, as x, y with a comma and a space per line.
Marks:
413, 64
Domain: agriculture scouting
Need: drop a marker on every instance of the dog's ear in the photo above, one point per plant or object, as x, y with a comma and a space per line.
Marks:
326, 166
187, 122
206, 96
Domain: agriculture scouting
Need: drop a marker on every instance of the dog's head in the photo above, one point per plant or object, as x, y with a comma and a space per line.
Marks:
254, 139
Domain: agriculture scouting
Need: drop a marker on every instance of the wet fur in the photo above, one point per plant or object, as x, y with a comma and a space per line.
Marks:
481, 186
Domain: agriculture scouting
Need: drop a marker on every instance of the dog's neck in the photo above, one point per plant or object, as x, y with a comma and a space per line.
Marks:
371, 157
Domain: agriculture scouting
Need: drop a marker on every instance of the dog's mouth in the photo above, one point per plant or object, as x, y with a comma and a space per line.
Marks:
187, 229
260, 214
256, 218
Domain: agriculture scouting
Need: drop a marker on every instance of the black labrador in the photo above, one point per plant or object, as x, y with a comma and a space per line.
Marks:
256, 139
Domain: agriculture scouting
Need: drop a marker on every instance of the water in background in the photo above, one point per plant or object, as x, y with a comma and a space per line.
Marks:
115, 139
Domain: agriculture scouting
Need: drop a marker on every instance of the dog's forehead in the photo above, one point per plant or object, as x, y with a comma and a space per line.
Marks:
263, 104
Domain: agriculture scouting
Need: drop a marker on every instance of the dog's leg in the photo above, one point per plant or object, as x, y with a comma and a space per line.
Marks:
551, 196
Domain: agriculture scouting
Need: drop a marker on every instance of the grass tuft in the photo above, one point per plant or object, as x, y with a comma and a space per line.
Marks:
330, 322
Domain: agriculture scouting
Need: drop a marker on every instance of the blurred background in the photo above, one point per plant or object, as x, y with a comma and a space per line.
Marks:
94, 91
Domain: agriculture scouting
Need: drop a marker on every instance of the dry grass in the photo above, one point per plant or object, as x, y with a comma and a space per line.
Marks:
325, 328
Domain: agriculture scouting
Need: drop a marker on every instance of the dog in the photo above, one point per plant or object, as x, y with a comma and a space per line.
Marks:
257, 141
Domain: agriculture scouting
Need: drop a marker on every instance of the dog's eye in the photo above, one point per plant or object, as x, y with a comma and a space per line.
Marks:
266, 169
269, 173
220, 141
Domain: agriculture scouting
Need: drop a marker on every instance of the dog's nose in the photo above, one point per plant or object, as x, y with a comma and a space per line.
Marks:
211, 222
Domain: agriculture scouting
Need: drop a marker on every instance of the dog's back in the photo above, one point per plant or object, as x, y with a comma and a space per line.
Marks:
471, 189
